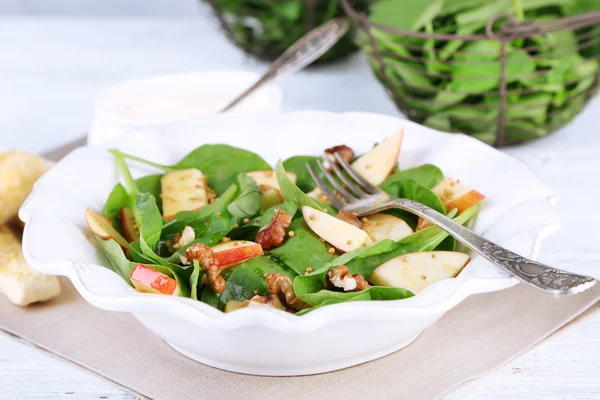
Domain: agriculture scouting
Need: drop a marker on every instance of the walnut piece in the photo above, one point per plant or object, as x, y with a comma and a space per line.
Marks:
182, 239
349, 218
340, 278
265, 301
281, 285
208, 263
273, 234
344, 151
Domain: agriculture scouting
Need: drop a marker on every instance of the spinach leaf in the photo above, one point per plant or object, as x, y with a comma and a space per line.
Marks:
208, 231
302, 251
222, 163
409, 189
291, 192
477, 69
364, 260
194, 218
297, 164
247, 278
249, 230
247, 202
210, 297
427, 175
116, 258
195, 277
148, 219
327, 297
404, 14
122, 266
119, 198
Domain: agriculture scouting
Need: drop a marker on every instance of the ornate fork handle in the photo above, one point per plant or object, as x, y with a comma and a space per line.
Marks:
548, 279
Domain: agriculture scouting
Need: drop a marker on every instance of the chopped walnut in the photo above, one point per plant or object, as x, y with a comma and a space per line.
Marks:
340, 278
182, 239
344, 151
208, 263
349, 218
273, 234
282, 286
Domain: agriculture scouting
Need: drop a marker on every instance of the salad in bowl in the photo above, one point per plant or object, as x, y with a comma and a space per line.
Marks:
221, 226
253, 267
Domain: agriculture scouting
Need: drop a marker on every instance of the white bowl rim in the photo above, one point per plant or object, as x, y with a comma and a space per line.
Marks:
206, 316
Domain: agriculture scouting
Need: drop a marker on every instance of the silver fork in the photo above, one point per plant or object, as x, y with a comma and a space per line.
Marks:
360, 197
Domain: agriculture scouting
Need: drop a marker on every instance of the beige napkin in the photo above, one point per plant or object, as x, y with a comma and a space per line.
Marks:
479, 335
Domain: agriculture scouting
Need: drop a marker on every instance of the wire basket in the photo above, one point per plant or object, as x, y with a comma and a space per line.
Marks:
514, 97
266, 28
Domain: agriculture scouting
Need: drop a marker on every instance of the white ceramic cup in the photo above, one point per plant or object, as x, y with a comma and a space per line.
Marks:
168, 99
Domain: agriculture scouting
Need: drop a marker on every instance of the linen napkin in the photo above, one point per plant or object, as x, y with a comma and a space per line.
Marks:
479, 335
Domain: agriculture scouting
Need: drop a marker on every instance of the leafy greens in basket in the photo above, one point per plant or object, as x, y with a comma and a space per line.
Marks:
222, 227
453, 85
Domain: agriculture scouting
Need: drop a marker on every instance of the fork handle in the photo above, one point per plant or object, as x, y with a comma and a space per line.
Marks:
544, 277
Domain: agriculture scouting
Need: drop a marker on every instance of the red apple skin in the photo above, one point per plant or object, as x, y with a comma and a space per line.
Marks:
461, 204
236, 251
465, 202
148, 280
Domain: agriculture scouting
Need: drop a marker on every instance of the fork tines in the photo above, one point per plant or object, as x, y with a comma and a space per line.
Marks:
354, 186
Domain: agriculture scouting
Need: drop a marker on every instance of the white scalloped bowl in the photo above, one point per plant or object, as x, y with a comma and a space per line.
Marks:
518, 213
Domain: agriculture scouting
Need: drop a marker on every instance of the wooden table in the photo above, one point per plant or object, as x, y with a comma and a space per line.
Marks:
51, 68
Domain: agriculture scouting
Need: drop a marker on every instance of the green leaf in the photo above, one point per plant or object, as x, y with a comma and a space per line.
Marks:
195, 277
409, 189
291, 192
148, 219
477, 67
297, 164
304, 250
247, 202
122, 266
116, 258
248, 277
327, 297
427, 175
119, 198
364, 260
221, 164
404, 14
289, 10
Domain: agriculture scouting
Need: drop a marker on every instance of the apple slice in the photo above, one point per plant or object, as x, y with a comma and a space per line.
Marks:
130, 228
339, 234
453, 194
377, 164
269, 178
102, 226
385, 226
269, 197
183, 190
148, 280
235, 251
456, 195
416, 271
